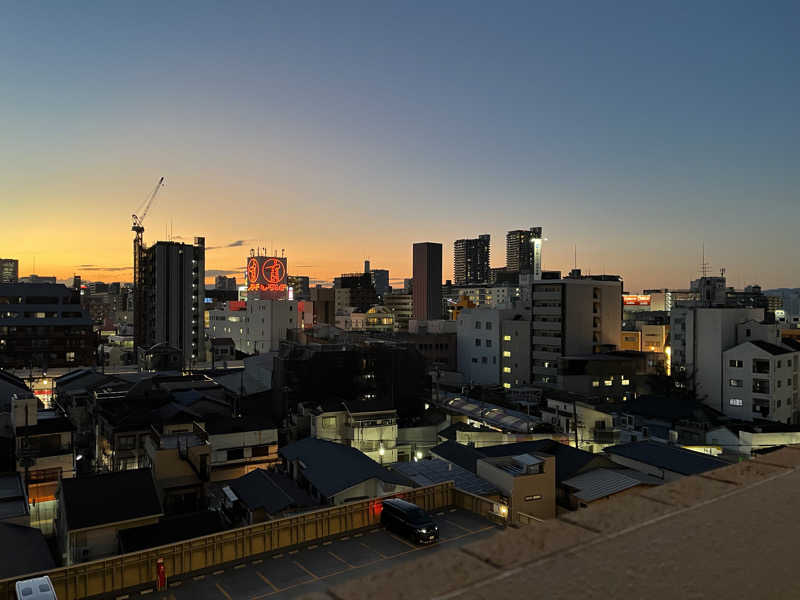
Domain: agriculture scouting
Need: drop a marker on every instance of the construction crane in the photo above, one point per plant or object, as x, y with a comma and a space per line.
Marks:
144, 208
138, 245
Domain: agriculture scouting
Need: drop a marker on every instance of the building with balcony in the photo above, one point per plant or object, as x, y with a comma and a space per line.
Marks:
373, 432
169, 306
526, 482
760, 381
180, 461
401, 306
572, 316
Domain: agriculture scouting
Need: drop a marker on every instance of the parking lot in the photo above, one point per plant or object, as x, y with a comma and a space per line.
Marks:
297, 571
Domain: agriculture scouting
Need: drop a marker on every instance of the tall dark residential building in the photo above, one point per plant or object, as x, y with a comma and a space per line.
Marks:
76, 282
169, 306
471, 260
225, 283
43, 326
524, 251
9, 270
427, 281
301, 287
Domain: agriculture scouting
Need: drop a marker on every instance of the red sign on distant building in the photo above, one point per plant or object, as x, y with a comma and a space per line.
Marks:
636, 300
267, 274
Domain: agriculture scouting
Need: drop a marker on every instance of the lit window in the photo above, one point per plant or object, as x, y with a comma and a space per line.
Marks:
506, 369
609, 382
735, 402
596, 383
507, 385
626, 382
506, 338
507, 353
735, 383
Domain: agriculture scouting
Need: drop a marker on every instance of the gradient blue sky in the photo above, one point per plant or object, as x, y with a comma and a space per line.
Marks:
340, 130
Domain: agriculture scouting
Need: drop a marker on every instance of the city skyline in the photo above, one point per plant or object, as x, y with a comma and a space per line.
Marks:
352, 131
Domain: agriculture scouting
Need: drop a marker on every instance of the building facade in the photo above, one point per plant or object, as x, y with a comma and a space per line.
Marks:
524, 251
471, 260
427, 281
169, 306
9, 270
43, 325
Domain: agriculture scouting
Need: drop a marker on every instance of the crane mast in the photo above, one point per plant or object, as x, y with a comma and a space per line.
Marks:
138, 253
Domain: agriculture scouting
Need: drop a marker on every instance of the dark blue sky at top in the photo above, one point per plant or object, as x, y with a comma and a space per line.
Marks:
636, 130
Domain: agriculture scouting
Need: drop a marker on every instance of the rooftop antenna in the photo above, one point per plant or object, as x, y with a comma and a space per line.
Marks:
704, 266
574, 256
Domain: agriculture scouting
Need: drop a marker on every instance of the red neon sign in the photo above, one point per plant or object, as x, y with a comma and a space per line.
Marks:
267, 274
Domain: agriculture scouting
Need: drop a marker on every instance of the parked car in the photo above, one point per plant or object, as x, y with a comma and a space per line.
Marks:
38, 588
409, 520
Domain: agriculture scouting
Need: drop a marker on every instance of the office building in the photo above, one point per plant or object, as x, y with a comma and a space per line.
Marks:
524, 251
471, 260
355, 290
42, 325
495, 296
170, 302
9, 270
427, 281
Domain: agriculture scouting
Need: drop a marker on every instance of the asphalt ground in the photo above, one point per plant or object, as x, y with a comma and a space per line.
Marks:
300, 570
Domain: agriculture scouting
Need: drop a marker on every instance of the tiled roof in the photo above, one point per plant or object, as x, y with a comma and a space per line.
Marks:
671, 458
332, 467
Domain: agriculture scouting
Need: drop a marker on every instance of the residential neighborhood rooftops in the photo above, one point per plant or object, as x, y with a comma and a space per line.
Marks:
109, 498
431, 471
665, 456
13, 502
332, 468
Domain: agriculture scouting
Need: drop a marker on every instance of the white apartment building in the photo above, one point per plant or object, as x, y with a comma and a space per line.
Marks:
256, 328
698, 338
760, 381
479, 349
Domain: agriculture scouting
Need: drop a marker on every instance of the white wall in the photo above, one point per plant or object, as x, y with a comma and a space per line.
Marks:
479, 348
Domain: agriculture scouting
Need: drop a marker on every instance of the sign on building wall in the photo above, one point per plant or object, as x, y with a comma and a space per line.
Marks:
267, 274
636, 300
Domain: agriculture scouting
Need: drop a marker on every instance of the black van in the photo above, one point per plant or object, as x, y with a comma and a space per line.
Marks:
409, 520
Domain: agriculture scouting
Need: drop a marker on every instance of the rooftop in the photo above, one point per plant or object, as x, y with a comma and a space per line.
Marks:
682, 539
332, 467
434, 470
601, 483
109, 498
258, 489
773, 349
169, 530
23, 550
667, 457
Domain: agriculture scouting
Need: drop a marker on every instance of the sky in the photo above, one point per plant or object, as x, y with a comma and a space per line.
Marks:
634, 133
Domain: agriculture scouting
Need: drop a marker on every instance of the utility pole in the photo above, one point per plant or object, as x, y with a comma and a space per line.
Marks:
575, 421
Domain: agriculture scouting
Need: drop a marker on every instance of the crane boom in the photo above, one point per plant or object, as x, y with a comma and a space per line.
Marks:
145, 208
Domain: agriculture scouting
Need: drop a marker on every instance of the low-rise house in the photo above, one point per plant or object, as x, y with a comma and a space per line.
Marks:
526, 481
434, 470
602, 484
170, 530
264, 495
664, 461
241, 444
333, 473
94, 509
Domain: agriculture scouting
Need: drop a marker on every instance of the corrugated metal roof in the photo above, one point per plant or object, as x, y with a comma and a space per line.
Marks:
430, 471
600, 483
